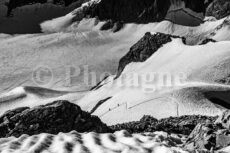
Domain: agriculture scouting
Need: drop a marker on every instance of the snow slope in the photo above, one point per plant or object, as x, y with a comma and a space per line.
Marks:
21, 55
67, 56
82, 47
185, 91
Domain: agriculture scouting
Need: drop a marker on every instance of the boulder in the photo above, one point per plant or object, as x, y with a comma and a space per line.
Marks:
208, 136
203, 137
59, 116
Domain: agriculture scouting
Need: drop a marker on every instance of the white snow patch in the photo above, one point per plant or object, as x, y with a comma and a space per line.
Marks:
57, 24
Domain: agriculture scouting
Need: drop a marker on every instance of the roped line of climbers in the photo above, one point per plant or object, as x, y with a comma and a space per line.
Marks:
146, 101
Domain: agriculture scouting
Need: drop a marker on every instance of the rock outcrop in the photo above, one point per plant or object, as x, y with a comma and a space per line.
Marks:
145, 48
59, 116
208, 136
115, 13
202, 133
141, 11
202, 137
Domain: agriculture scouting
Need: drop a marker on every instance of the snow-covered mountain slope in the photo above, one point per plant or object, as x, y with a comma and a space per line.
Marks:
176, 80
67, 59
85, 48
64, 59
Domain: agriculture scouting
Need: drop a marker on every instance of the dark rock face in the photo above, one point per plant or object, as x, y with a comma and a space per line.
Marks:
131, 11
25, 16
179, 125
140, 11
59, 116
18, 3
144, 48
14, 4
219, 9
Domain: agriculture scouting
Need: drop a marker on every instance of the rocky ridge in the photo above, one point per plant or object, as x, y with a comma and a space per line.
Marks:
147, 11
204, 134
118, 12
177, 125
137, 11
